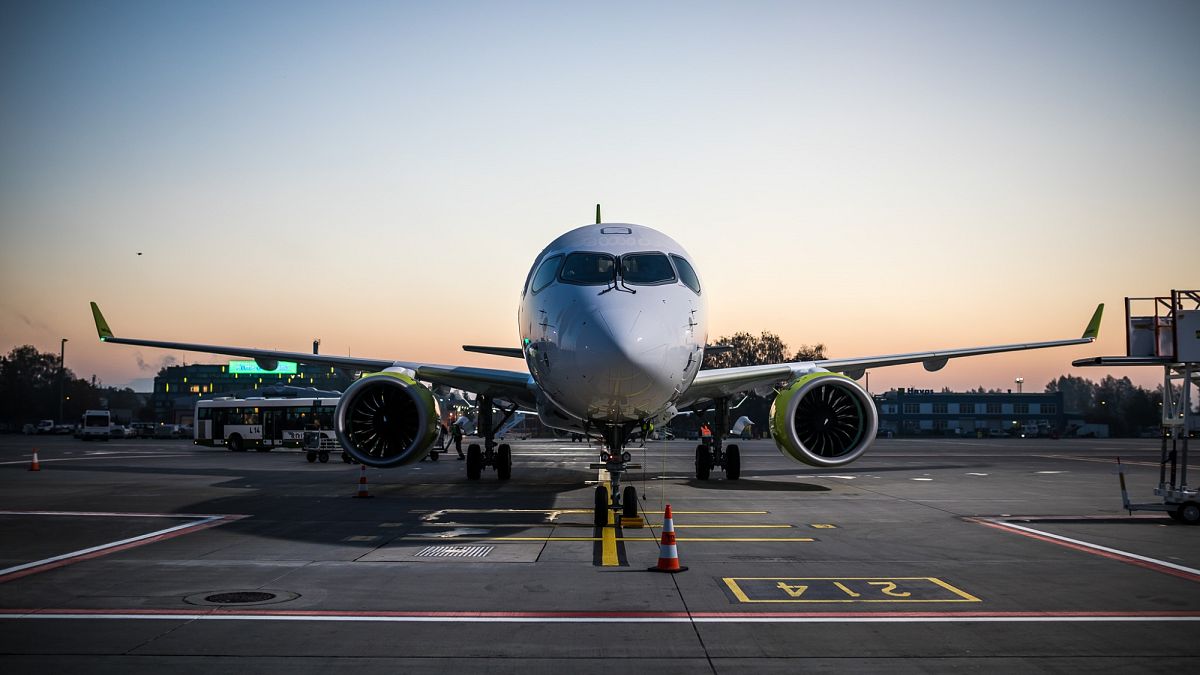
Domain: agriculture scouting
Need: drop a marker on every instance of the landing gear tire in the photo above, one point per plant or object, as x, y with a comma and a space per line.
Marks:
323, 456
474, 461
503, 462
733, 462
629, 505
600, 517
311, 457
433, 454
1189, 512
703, 462
235, 443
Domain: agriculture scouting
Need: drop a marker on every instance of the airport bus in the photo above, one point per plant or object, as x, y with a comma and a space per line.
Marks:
95, 424
267, 423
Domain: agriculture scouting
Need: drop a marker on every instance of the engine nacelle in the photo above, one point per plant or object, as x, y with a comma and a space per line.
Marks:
387, 419
824, 419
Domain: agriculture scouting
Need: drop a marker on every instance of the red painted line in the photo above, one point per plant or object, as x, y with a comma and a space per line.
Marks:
123, 547
223, 611
1086, 549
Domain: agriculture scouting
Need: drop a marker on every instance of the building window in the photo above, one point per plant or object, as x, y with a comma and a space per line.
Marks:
1020, 408
195, 389
940, 425
1049, 408
993, 408
940, 409
912, 408
966, 408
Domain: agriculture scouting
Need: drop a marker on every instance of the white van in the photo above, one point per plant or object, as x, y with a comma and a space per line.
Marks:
96, 425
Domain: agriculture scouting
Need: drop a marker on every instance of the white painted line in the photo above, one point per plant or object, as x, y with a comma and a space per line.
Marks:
82, 459
921, 479
972, 473
828, 476
113, 544
1049, 472
1098, 547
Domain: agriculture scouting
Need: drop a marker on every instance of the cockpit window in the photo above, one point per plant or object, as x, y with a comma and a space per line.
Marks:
686, 274
588, 269
546, 273
645, 269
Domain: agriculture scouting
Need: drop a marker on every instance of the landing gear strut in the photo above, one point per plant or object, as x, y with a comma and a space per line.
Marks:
616, 461
499, 456
713, 453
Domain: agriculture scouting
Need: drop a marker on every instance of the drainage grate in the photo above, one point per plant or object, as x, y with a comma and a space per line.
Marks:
454, 551
239, 597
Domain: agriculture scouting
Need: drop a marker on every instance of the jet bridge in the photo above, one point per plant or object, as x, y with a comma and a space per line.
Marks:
1165, 332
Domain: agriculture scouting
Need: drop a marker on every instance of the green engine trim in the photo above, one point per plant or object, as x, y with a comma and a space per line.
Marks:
781, 413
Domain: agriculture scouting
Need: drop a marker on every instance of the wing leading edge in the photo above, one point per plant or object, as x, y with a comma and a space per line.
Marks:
729, 381
504, 383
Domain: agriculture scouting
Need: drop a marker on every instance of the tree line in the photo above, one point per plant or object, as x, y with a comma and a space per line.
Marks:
29, 391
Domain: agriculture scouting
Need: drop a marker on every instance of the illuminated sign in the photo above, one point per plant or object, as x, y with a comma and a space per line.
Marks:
251, 368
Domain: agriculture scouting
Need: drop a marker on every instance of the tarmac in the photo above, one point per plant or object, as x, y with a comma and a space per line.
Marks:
927, 555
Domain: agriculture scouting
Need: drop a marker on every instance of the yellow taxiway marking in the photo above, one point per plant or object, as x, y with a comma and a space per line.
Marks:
845, 589
589, 526
615, 539
608, 543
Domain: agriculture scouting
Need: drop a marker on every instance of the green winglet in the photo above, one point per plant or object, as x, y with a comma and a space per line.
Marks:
597, 214
102, 328
1093, 327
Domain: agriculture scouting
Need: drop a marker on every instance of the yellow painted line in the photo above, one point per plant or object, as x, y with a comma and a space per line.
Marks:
759, 513
741, 595
608, 544
589, 526
615, 539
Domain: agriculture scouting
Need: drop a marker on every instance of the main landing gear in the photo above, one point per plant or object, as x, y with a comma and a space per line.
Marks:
616, 461
713, 453
499, 457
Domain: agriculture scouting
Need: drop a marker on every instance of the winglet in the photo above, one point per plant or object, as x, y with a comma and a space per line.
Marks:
597, 214
1093, 327
102, 328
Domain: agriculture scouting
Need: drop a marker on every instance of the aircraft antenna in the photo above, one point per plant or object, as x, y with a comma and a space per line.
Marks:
597, 214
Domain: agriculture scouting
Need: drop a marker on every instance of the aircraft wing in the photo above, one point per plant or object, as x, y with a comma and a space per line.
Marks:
761, 379
506, 383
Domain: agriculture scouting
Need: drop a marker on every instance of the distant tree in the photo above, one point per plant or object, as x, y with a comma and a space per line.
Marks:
810, 353
1079, 394
749, 350
29, 385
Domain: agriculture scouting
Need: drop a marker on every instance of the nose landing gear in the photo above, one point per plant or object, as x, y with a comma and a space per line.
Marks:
616, 462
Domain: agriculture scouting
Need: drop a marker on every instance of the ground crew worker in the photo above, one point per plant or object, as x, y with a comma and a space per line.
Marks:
456, 430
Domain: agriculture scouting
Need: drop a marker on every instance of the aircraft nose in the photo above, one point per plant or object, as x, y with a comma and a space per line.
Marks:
633, 356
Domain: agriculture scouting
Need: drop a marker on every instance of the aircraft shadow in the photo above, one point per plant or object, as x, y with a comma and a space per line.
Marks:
751, 485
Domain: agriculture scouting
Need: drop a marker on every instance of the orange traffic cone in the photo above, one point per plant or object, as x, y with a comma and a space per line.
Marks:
362, 483
668, 553
35, 465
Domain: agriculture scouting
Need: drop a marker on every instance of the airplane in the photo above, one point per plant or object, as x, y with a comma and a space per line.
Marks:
612, 325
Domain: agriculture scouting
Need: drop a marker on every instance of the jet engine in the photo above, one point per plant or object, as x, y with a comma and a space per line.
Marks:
823, 419
387, 419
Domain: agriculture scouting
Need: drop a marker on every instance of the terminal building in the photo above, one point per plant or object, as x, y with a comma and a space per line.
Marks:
911, 412
177, 388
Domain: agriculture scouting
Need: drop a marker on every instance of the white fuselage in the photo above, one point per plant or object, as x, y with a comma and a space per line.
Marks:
615, 333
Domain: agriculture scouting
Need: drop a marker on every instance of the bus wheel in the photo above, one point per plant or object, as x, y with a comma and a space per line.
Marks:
235, 443
311, 457
323, 456
346, 458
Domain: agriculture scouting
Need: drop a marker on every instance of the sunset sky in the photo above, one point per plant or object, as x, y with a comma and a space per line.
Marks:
878, 176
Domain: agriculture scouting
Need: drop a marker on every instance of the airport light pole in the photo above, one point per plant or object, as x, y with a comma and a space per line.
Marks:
62, 359
1019, 381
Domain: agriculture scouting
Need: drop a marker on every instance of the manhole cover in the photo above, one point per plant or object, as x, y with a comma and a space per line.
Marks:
454, 551
240, 597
